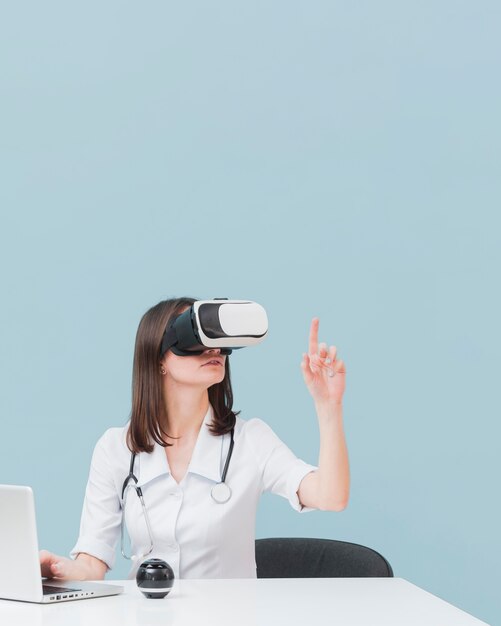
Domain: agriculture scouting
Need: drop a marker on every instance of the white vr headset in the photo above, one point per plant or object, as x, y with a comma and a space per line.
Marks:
219, 323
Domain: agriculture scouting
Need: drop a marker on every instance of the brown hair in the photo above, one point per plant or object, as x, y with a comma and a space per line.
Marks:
148, 406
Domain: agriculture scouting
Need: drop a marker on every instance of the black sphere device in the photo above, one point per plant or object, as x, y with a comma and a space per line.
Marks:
155, 578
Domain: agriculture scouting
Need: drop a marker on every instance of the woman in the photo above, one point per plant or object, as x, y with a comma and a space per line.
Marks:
181, 428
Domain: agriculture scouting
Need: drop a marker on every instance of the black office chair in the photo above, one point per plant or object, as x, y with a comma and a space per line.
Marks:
318, 558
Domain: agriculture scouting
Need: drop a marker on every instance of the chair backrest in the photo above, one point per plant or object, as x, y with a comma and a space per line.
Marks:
318, 558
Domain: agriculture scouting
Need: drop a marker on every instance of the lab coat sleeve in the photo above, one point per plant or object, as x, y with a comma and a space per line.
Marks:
101, 514
282, 471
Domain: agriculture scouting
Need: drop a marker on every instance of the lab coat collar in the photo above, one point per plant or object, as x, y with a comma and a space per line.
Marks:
205, 460
152, 464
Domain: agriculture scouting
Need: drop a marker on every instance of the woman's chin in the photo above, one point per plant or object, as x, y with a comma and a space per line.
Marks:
216, 377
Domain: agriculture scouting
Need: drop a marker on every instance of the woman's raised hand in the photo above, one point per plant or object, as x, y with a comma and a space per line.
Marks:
323, 373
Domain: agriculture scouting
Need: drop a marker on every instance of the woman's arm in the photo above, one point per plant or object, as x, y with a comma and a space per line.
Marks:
84, 567
328, 487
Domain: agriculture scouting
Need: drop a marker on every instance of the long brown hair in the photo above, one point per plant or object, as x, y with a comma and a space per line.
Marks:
148, 406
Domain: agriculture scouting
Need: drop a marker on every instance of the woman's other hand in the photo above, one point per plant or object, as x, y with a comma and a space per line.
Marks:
84, 567
55, 566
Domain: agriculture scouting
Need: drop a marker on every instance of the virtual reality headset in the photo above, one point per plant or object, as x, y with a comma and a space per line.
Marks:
219, 323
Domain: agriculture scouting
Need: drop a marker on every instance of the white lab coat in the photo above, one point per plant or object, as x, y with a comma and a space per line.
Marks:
198, 537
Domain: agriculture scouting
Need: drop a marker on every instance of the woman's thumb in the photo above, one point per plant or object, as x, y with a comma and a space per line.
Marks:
58, 568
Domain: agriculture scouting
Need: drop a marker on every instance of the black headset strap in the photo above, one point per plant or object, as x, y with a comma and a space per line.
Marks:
228, 457
169, 339
130, 476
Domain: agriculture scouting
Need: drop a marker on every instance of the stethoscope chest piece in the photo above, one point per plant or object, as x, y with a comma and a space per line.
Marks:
221, 493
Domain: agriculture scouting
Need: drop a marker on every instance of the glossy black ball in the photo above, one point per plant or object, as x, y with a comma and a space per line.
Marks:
155, 578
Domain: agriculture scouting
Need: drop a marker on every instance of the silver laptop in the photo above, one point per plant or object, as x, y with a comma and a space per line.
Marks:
20, 577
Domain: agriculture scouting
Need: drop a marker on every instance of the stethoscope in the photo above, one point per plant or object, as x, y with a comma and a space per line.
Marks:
220, 493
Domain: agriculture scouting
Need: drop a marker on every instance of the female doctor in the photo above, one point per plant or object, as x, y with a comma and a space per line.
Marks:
182, 504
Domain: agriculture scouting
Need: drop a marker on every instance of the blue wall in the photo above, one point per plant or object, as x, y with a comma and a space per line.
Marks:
330, 159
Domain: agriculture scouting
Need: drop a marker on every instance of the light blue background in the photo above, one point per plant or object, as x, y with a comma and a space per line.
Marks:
330, 159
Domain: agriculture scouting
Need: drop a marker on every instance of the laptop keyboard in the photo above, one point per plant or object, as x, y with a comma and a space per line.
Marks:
48, 589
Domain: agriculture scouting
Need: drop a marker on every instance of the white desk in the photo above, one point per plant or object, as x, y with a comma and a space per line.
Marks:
277, 602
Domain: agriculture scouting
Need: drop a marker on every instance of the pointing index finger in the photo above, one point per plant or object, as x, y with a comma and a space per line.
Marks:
313, 344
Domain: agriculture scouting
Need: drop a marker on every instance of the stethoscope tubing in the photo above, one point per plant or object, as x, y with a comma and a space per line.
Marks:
220, 493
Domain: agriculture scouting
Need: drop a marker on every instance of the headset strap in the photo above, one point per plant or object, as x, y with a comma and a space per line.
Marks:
169, 340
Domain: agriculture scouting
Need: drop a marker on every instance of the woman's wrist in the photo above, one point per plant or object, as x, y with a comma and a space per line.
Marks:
329, 410
81, 569
88, 567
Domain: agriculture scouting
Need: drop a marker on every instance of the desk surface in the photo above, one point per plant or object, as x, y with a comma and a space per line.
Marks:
292, 602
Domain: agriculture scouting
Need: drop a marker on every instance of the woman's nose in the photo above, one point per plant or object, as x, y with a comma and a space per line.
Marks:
213, 351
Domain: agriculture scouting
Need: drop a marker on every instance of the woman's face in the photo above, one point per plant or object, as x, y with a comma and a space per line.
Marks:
204, 369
